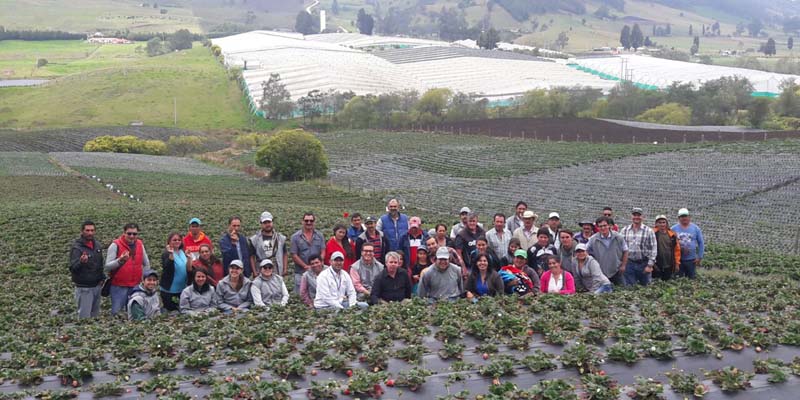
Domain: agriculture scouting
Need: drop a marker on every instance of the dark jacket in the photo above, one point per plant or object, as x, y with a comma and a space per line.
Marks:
391, 289
229, 253
91, 273
168, 271
465, 241
493, 281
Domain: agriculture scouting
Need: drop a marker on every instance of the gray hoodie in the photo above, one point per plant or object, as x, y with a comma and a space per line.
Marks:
589, 277
149, 301
194, 302
438, 284
266, 292
228, 298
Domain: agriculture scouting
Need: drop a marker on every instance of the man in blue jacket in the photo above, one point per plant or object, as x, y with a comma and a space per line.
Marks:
692, 244
234, 246
394, 226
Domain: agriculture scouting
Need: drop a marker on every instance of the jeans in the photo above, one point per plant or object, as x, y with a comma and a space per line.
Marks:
688, 269
88, 299
608, 288
119, 298
297, 278
634, 273
664, 274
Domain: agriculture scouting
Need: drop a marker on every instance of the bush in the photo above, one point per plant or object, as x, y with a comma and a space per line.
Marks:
250, 140
293, 155
125, 144
41, 62
669, 113
183, 145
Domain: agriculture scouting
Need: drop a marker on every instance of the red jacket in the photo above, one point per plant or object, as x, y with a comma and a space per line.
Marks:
333, 246
130, 273
567, 288
193, 246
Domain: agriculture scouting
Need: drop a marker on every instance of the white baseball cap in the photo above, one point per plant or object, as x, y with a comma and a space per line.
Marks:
554, 215
683, 212
337, 255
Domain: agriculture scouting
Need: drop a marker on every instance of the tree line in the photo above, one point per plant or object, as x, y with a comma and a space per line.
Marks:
37, 35
724, 101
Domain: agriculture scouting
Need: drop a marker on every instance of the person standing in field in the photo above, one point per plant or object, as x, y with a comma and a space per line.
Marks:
195, 238
269, 244
499, 237
125, 262
364, 271
393, 225
467, 239
86, 267
175, 266
668, 257
341, 243
305, 242
234, 246
641, 241
610, 251
380, 245
690, 237
515, 221
356, 227
443, 281
308, 283
527, 233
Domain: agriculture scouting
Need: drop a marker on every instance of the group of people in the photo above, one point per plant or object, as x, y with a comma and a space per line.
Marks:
375, 260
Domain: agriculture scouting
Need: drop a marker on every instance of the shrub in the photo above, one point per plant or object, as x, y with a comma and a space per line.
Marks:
182, 145
669, 113
293, 155
41, 62
125, 144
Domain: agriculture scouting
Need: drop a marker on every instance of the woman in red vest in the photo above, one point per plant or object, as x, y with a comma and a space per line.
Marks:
126, 260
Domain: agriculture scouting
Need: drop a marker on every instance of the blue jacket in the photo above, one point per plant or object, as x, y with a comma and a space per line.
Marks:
353, 234
229, 253
396, 233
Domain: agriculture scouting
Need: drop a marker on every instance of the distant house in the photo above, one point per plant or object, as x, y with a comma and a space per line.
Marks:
107, 40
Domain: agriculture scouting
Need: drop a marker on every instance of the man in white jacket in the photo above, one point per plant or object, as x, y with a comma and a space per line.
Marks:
335, 289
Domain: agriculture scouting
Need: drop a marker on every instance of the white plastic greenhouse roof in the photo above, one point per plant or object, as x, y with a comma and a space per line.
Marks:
661, 73
341, 62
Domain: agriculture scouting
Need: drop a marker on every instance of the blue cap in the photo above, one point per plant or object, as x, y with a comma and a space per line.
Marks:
149, 272
195, 221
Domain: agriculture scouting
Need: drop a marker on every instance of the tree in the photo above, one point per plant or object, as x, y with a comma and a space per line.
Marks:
562, 40
432, 104
648, 42
769, 48
695, 45
754, 27
293, 155
625, 37
185, 144
335, 7
668, 113
637, 38
304, 23
602, 12
311, 105
488, 39
154, 47
276, 100
365, 22
790, 43
181, 40
452, 25
789, 99
758, 111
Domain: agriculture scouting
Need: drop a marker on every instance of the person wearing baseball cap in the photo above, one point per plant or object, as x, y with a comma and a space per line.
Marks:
587, 230
233, 291
143, 301
692, 244
668, 255
553, 226
518, 277
641, 241
335, 289
588, 275
195, 238
463, 215
269, 244
443, 281
372, 235
415, 237
268, 288
609, 249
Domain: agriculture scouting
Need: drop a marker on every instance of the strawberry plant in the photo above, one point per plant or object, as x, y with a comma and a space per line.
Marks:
412, 378
647, 389
411, 354
108, 389
286, 367
448, 332
486, 347
539, 361
31, 377
160, 384
584, 358
316, 349
238, 356
730, 379
553, 389
501, 366
325, 390
452, 350
658, 349
697, 344
334, 362
686, 383
159, 364
364, 382
625, 352
377, 358
599, 387
73, 373
198, 360
778, 371
267, 390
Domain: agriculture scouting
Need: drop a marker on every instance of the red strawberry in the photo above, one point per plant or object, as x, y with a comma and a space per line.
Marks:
349, 373
485, 356
390, 382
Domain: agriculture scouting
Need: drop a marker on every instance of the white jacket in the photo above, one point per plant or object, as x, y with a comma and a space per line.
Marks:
332, 291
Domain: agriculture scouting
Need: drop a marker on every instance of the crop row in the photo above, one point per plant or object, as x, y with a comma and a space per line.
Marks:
27, 164
140, 163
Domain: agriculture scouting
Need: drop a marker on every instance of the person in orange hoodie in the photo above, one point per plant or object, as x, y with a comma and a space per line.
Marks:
668, 257
195, 238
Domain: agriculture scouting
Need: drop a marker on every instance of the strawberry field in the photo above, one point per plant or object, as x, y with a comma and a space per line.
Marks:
733, 333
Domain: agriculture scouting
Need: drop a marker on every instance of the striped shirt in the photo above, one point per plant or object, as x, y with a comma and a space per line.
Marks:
641, 244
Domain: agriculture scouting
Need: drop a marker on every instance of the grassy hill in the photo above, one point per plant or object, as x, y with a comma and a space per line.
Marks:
114, 85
